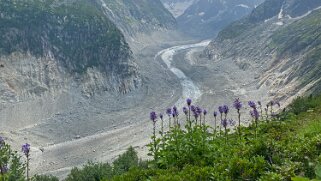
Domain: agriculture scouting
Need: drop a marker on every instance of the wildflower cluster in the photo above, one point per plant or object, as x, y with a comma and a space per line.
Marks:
196, 116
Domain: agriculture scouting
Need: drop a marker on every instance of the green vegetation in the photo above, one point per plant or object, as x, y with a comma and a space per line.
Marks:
91, 172
299, 35
286, 147
289, 146
235, 29
302, 37
44, 178
77, 33
104, 171
264, 11
11, 168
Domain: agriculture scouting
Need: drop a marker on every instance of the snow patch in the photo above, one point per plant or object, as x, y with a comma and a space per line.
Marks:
201, 14
107, 8
280, 16
243, 6
280, 23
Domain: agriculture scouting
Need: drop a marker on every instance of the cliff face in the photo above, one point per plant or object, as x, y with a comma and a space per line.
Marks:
177, 7
139, 16
280, 43
206, 18
47, 46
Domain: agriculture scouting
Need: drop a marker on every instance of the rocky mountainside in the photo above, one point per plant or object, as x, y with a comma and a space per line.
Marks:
69, 74
54, 56
279, 42
46, 46
177, 7
204, 18
139, 16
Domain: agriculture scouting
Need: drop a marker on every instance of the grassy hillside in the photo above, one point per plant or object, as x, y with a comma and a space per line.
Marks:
285, 146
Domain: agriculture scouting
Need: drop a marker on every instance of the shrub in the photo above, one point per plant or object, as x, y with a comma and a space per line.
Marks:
91, 172
126, 161
44, 178
10, 165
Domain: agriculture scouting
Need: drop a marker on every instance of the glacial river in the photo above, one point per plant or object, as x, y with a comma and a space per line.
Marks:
190, 89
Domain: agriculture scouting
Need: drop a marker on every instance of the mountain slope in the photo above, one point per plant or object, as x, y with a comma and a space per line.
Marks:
205, 18
76, 38
54, 57
279, 42
177, 7
139, 16
67, 74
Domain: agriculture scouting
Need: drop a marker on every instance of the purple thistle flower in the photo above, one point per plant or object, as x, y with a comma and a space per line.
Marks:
252, 104
199, 110
161, 116
237, 104
169, 111
224, 123
252, 113
189, 102
231, 122
175, 112
255, 114
26, 149
193, 108
204, 112
215, 114
175, 109
153, 116
185, 110
195, 113
226, 109
221, 109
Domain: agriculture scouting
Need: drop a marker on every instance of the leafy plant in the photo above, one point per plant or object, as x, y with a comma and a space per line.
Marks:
91, 172
44, 178
11, 168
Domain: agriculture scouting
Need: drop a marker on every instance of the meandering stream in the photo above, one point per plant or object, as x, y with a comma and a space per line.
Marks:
189, 88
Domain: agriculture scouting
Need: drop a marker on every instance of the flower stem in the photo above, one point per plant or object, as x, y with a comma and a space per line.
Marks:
239, 128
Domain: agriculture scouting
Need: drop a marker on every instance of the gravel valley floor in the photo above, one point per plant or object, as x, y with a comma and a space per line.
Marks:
103, 126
